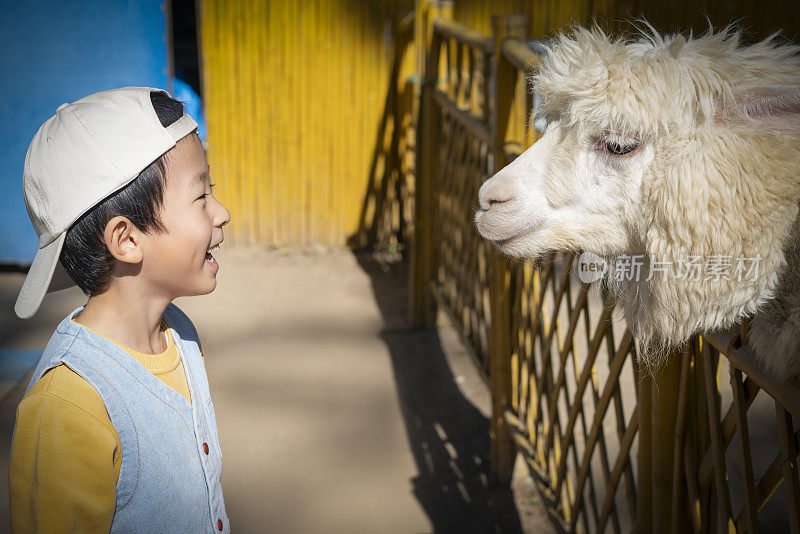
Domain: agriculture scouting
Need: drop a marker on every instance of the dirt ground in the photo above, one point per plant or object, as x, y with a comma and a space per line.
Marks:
334, 414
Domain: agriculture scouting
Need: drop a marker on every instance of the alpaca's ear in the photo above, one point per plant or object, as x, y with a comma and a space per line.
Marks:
772, 106
677, 44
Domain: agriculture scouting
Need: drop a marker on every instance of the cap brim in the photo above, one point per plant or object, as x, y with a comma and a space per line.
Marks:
37, 283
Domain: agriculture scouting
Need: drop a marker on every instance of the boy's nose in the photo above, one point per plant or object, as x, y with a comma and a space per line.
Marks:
223, 215
226, 217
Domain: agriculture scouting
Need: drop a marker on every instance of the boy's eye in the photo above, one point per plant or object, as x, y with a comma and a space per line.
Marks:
211, 192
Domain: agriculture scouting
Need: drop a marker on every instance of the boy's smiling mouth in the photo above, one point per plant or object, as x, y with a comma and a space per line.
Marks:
209, 258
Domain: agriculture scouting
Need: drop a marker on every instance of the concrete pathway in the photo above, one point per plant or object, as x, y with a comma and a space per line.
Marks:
334, 415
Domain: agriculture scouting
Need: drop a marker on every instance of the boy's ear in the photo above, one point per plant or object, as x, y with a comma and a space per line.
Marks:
123, 240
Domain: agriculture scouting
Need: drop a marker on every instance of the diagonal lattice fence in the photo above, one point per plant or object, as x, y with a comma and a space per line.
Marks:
611, 448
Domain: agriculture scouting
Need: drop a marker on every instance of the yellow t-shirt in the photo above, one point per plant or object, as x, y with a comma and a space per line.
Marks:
66, 454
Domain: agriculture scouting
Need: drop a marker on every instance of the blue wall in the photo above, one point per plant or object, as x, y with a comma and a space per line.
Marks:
54, 52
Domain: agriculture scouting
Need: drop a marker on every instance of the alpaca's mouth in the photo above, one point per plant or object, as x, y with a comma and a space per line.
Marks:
519, 244
508, 237
506, 246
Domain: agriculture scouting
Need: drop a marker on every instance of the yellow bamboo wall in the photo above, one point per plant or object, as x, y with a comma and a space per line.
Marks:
760, 17
294, 92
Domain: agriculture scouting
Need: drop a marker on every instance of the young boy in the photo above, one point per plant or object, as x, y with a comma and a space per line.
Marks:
117, 432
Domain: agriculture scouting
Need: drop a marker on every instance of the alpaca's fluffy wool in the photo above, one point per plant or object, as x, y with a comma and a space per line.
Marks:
725, 178
658, 84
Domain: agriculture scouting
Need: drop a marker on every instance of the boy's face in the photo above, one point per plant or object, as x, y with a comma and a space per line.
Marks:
176, 261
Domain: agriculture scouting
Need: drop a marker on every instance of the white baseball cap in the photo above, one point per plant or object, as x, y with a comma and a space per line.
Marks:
85, 152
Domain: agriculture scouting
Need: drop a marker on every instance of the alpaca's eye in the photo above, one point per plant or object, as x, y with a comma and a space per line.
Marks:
619, 149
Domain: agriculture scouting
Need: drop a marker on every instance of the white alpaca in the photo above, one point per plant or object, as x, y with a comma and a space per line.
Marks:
669, 148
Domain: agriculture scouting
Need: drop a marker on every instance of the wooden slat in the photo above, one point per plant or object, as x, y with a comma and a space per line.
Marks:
693, 492
576, 407
517, 52
623, 461
473, 124
740, 407
465, 35
728, 429
683, 401
718, 451
594, 434
789, 453
787, 392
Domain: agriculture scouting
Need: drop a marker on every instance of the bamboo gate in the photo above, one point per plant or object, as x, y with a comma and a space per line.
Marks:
610, 448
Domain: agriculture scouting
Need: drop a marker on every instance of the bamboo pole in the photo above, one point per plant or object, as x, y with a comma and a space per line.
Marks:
678, 494
504, 81
665, 401
644, 506
423, 305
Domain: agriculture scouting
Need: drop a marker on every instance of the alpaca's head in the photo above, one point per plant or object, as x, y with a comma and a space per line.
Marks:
665, 146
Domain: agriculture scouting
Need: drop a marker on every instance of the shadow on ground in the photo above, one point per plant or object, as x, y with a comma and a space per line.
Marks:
448, 435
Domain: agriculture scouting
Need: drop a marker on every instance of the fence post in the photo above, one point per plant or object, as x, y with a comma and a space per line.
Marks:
422, 305
503, 84
644, 456
663, 418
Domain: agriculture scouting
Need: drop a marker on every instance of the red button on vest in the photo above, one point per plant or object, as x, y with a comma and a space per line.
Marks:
205, 448
219, 524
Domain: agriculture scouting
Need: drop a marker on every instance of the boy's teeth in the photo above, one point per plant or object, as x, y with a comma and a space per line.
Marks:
213, 249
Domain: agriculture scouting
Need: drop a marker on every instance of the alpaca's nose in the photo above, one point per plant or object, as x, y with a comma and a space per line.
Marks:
494, 192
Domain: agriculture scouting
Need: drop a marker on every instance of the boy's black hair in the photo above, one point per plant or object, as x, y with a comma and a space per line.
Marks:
84, 255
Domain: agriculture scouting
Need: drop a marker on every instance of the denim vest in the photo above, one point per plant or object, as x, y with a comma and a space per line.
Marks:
171, 469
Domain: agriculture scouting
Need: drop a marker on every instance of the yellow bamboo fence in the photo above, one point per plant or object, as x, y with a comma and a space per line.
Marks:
707, 444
